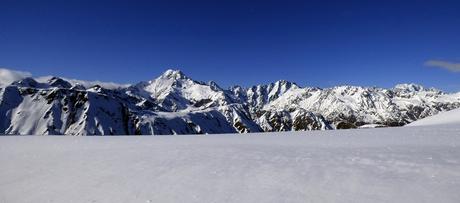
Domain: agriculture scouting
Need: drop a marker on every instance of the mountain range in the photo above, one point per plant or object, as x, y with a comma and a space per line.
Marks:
173, 103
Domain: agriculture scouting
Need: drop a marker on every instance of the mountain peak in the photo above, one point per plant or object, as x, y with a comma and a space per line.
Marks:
286, 83
214, 86
173, 74
409, 87
59, 82
26, 82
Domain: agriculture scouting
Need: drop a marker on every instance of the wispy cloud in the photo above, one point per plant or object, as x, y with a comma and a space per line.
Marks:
8, 76
84, 83
453, 67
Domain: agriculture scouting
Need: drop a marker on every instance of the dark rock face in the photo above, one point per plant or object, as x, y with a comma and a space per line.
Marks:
345, 125
309, 121
176, 104
278, 121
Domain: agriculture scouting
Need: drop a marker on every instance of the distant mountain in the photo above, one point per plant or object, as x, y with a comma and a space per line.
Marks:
176, 104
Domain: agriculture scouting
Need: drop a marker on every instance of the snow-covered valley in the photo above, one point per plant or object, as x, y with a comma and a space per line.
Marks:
403, 164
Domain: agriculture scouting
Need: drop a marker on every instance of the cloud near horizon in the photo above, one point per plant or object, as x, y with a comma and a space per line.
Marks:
8, 76
447, 65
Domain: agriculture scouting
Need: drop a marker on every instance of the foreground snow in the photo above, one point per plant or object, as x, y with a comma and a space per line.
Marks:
417, 164
448, 117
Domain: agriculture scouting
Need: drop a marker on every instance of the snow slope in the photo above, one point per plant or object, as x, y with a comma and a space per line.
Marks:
417, 164
448, 117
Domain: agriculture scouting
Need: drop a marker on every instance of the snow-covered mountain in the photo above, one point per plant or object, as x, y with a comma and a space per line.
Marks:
451, 117
176, 104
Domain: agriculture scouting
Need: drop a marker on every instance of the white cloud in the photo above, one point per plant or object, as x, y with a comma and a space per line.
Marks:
453, 67
8, 76
84, 83
88, 84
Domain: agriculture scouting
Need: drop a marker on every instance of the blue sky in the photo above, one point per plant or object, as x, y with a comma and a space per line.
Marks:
313, 43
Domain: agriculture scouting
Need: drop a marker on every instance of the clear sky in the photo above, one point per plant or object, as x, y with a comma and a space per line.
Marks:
313, 43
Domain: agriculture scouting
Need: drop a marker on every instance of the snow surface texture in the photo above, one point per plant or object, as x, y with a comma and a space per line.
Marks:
404, 164
449, 117
173, 103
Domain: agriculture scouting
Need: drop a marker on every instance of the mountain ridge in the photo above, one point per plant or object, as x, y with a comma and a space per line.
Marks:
173, 103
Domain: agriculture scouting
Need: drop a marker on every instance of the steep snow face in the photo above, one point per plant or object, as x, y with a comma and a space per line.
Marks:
259, 95
59, 111
408, 88
357, 105
298, 120
224, 119
57, 107
174, 91
444, 118
176, 104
